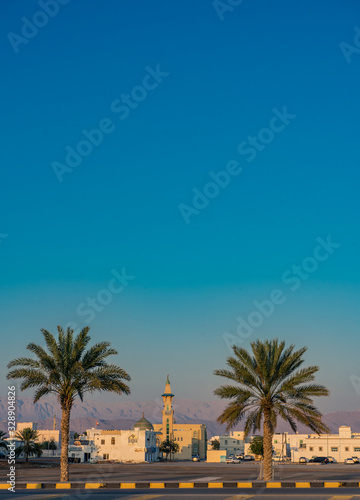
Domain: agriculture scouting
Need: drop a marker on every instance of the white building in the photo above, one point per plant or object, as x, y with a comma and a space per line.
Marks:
43, 434
82, 451
233, 443
136, 445
346, 444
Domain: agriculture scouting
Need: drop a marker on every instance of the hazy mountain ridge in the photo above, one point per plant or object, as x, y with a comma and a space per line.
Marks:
123, 414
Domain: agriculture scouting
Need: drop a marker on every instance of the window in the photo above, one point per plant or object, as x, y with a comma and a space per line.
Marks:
334, 448
181, 439
106, 456
275, 440
112, 440
357, 449
346, 448
225, 441
320, 448
132, 439
103, 441
311, 448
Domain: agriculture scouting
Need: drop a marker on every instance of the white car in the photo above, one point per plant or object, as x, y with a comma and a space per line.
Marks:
278, 458
349, 461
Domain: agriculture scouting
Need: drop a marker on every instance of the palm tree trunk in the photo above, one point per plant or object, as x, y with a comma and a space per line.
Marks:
267, 447
64, 463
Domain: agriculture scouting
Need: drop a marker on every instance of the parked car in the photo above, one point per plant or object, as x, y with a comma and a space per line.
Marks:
348, 461
303, 460
331, 460
233, 460
240, 456
196, 458
248, 458
319, 460
278, 458
356, 460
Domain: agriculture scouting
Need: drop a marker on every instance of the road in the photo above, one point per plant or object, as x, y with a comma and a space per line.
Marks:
188, 472
347, 494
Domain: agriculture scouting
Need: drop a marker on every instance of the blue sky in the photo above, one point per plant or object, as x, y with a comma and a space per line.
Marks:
225, 78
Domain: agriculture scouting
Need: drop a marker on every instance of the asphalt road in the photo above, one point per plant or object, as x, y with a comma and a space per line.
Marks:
179, 495
188, 472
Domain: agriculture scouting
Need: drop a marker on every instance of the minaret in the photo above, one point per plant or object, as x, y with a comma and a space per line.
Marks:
168, 412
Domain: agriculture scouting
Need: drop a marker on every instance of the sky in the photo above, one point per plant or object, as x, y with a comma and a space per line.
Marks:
164, 168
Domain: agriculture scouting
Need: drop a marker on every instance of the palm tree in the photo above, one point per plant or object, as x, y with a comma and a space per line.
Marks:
69, 371
270, 384
49, 445
29, 447
3, 444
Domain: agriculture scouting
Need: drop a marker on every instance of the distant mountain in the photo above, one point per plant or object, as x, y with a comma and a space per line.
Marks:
123, 414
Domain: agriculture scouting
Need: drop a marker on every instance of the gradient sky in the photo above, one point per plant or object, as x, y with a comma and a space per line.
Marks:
120, 207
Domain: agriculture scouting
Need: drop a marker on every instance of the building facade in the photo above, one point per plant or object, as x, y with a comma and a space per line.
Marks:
43, 435
233, 443
345, 444
136, 445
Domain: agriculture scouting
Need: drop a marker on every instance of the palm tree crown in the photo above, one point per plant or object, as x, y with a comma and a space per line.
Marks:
68, 370
270, 384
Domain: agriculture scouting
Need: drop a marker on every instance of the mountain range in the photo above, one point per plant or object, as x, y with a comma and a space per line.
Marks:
123, 414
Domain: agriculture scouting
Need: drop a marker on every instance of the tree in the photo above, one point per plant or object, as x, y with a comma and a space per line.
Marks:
29, 446
270, 384
215, 443
3, 444
49, 445
169, 447
76, 436
68, 370
257, 446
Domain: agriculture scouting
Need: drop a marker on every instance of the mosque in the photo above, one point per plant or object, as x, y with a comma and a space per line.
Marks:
141, 443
